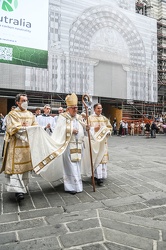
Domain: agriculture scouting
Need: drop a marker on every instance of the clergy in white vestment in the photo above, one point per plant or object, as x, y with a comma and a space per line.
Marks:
60, 155
60, 110
100, 128
17, 158
46, 121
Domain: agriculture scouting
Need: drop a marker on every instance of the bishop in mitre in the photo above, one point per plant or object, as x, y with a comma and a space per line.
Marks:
60, 155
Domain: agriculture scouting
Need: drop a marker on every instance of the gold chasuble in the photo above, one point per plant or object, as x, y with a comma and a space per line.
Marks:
98, 142
105, 128
17, 157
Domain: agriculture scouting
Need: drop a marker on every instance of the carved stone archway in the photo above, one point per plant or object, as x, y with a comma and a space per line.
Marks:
95, 18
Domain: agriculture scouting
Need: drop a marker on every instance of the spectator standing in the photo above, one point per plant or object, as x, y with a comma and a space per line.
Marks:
132, 126
137, 128
4, 128
142, 125
126, 128
147, 129
1, 123
153, 129
114, 124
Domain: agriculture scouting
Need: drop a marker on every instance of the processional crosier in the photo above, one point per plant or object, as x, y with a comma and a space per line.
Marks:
89, 139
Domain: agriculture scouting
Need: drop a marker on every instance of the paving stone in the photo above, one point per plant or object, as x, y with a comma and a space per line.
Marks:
156, 202
39, 200
40, 213
79, 248
135, 220
40, 232
97, 195
127, 180
26, 204
164, 235
8, 217
113, 246
58, 187
131, 229
126, 208
85, 197
125, 217
94, 247
70, 199
160, 217
135, 190
7, 227
123, 201
153, 195
33, 186
48, 243
161, 245
108, 193
85, 206
68, 217
83, 224
128, 239
116, 182
158, 184
7, 238
151, 212
10, 204
46, 187
80, 238
55, 200
118, 190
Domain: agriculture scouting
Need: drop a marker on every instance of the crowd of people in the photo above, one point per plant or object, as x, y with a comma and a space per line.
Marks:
149, 128
47, 144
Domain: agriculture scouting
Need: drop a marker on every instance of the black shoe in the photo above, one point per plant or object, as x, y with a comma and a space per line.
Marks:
99, 182
71, 192
19, 196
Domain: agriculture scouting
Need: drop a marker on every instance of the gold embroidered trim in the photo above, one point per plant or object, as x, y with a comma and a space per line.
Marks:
75, 150
15, 163
76, 160
55, 154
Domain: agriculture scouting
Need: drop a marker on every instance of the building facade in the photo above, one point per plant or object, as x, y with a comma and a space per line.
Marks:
103, 48
157, 9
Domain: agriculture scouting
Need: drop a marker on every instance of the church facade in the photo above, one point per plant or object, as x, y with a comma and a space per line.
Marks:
101, 48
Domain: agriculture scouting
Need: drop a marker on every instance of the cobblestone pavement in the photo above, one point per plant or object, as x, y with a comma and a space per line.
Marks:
127, 213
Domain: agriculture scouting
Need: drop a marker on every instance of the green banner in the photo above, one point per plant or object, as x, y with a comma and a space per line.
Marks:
13, 54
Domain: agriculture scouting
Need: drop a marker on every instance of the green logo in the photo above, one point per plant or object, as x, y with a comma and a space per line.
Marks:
9, 5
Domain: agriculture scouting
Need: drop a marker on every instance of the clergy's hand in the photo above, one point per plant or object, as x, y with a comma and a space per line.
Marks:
48, 125
87, 127
97, 128
75, 131
24, 124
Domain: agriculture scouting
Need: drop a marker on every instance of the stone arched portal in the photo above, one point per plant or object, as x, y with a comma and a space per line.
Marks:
95, 18
83, 29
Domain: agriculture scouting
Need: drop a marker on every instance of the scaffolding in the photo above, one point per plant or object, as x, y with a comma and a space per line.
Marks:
161, 35
143, 7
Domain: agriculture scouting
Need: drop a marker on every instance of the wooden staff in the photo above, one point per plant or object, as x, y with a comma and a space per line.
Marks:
90, 147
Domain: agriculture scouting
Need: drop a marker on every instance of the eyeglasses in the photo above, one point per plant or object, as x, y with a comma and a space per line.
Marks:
74, 107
